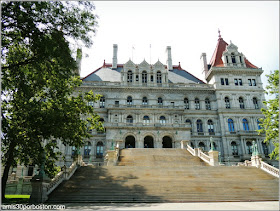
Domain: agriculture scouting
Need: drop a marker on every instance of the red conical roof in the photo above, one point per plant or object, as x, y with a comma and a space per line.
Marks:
216, 60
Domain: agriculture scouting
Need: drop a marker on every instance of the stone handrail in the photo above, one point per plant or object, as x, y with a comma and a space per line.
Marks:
60, 177
270, 169
203, 156
54, 182
191, 150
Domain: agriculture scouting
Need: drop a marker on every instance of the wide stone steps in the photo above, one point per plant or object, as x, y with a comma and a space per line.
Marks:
174, 183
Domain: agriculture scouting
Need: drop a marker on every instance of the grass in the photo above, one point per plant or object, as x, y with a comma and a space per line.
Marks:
16, 199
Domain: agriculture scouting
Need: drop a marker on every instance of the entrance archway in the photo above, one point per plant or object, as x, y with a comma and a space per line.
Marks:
166, 142
148, 142
130, 142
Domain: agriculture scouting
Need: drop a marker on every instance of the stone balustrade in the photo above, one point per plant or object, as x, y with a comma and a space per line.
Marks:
269, 169
203, 156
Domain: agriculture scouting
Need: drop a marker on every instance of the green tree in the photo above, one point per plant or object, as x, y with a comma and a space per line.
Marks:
39, 79
270, 124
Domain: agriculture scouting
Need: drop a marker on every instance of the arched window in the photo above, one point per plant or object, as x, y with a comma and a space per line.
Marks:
227, 102
201, 145
129, 101
199, 125
215, 145
186, 102
102, 102
207, 104
233, 58
210, 126
162, 120
144, 77
144, 101
197, 105
87, 149
189, 121
265, 148
192, 145
129, 76
159, 77
255, 102
245, 124
160, 101
99, 150
129, 119
234, 148
101, 130
230, 125
249, 147
146, 120
241, 103
258, 123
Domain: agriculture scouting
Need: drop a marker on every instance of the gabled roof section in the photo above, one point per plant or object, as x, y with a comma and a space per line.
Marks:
216, 60
249, 64
144, 64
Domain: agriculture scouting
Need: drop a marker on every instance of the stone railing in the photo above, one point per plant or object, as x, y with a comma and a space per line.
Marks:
66, 174
191, 150
269, 169
112, 157
203, 156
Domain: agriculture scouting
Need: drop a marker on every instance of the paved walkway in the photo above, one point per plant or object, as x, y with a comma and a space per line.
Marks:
178, 206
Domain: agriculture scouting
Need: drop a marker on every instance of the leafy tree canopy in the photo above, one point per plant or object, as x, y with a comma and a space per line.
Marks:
39, 102
270, 124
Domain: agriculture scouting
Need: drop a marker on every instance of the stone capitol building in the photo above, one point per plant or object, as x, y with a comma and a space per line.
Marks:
159, 105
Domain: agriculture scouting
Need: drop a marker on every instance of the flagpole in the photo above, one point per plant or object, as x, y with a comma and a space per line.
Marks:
150, 54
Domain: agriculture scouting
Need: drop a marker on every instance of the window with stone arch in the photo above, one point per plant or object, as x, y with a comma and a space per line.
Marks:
162, 120
99, 149
144, 77
241, 103
160, 101
159, 80
249, 147
201, 145
87, 149
210, 126
188, 121
197, 104
129, 76
129, 119
258, 124
186, 102
145, 101
234, 148
245, 124
199, 126
207, 104
230, 125
129, 101
102, 102
255, 102
146, 120
227, 102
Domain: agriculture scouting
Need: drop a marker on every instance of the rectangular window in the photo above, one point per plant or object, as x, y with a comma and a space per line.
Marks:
250, 82
236, 82
152, 78
240, 81
172, 104
137, 78
117, 103
226, 81
254, 82
222, 81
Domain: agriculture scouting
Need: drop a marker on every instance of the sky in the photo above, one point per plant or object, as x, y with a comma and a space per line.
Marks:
189, 27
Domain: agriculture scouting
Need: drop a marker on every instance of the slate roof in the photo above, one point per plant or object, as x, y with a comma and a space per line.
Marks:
216, 60
105, 73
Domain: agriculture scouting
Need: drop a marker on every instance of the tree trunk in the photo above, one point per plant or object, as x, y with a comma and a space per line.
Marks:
8, 165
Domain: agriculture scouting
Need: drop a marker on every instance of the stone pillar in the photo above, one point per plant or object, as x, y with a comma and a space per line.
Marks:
214, 157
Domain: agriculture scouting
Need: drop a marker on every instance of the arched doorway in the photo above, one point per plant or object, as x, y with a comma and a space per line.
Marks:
148, 142
166, 142
130, 142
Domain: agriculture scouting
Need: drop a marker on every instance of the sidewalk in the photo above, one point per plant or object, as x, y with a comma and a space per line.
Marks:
268, 205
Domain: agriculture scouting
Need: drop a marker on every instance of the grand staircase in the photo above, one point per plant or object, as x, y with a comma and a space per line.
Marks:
165, 175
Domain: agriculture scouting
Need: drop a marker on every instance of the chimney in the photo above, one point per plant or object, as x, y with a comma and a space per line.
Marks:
115, 56
204, 63
169, 59
79, 60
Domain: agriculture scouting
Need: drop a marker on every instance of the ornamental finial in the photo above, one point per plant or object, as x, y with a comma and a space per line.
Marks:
219, 33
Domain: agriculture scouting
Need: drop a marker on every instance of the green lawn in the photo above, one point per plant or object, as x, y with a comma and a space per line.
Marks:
16, 199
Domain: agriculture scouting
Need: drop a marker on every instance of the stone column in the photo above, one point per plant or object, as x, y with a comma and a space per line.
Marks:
214, 157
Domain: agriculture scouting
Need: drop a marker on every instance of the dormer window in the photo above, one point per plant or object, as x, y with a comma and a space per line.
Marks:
144, 77
233, 58
159, 77
129, 76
